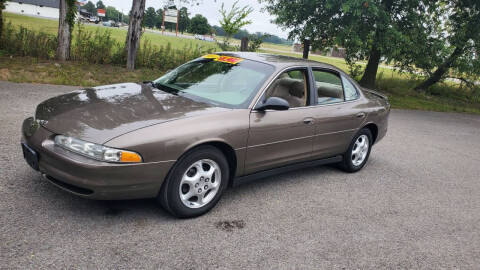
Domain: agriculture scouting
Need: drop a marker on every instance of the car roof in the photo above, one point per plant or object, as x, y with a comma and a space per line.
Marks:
279, 61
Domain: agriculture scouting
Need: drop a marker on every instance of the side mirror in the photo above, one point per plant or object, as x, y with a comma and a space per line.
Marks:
274, 103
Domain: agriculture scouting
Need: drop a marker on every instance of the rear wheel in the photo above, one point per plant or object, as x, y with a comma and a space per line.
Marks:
358, 152
196, 182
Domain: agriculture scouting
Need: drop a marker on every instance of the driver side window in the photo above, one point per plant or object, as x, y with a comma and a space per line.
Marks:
291, 86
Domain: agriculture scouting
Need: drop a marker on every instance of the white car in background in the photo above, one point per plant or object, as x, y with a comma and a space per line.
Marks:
204, 37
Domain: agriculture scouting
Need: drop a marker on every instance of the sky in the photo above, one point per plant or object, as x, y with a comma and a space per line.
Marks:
261, 20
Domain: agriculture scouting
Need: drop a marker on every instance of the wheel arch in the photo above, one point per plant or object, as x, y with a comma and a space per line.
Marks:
227, 150
373, 129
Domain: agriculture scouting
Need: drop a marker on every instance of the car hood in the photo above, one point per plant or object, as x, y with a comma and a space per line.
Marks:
102, 113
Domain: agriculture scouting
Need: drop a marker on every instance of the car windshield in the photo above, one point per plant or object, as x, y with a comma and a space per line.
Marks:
219, 80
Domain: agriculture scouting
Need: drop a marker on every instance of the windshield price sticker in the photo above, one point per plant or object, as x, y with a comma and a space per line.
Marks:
224, 58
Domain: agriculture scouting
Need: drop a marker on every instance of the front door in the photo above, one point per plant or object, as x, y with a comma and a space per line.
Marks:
278, 138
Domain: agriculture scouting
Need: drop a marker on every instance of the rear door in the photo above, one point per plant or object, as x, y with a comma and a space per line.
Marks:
338, 114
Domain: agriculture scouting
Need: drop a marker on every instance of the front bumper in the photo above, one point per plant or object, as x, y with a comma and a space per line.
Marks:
90, 178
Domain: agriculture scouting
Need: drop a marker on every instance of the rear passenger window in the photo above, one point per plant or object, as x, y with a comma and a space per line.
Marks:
350, 90
329, 87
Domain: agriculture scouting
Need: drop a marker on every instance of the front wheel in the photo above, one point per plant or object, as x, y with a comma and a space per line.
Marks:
196, 183
358, 152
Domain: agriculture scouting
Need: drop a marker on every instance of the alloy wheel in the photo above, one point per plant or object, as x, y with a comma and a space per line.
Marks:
360, 150
200, 183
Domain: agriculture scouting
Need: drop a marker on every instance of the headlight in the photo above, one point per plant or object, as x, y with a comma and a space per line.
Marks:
97, 151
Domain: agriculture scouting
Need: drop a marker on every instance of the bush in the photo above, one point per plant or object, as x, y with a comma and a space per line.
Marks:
165, 57
24, 42
96, 48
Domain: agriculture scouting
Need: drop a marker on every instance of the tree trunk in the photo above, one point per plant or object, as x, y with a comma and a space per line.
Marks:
134, 32
1, 20
2, 6
306, 48
64, 33
244, 44
370, 73
441, 70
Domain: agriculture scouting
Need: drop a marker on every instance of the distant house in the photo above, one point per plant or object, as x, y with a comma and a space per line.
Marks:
41, 8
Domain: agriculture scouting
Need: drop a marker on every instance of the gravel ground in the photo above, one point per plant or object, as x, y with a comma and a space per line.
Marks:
416, 205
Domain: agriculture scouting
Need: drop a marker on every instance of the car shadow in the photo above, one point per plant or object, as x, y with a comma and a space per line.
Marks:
125, 209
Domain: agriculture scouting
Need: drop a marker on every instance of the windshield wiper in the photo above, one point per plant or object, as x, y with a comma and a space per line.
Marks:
164, 88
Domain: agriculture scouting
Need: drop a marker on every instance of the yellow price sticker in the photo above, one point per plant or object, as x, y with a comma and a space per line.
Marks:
224, 58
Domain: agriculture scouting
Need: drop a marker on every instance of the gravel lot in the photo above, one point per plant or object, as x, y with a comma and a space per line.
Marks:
415, 205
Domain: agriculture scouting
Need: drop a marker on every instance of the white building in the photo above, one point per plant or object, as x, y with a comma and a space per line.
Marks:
41, 8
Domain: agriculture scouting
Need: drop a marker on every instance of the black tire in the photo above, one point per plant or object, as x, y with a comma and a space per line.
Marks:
347, 164
169, 196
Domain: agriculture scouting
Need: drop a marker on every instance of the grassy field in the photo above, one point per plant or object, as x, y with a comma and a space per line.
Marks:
51, 27
399, 87
32, 70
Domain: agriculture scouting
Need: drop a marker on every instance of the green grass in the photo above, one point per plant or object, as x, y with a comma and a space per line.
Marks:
119, 34
279, 47
32, 70
446, 97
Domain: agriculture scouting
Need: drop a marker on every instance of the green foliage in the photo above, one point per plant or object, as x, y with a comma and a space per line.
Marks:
150, 17
2, 7
432, 38
111, 13
100, 5
24, 42
183, 20
255, 42
95, 47
199, 25
167, 57
450, 45
365, 28
232, 21
71, 12
90, 7
98, 47
159, 19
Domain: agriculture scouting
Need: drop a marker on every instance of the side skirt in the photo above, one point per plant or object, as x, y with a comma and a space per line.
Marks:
297, 166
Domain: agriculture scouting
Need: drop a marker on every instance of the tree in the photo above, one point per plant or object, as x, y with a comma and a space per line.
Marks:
183, 20
232, 21
368, 30
455, 53
100, 5
159, 19
90, 7
219, 30
199, 25
111, 13
2, 7
66, 21
150, 18
134, 32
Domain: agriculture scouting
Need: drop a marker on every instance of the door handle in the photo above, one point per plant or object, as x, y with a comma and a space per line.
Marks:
360, 115
308, 121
